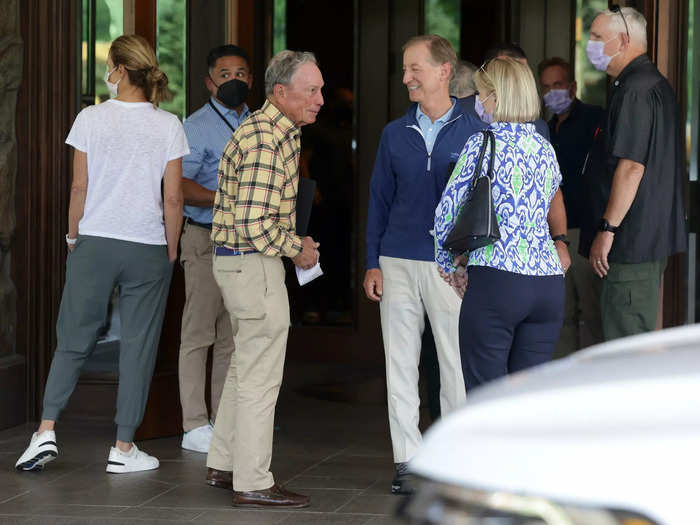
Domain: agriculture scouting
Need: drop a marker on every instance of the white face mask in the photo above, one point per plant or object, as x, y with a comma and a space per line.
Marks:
481, 110
557, 100
596, 54
111, 86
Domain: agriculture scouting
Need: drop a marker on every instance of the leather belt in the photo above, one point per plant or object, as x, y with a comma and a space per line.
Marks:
222, 250
205, 225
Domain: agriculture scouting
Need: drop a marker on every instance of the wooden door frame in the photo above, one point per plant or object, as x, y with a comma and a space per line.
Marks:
667, 34
44, 117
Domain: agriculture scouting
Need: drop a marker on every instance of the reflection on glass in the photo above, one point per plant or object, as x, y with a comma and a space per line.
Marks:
592, 87
171, 52
102, 21
279, 26
443, 17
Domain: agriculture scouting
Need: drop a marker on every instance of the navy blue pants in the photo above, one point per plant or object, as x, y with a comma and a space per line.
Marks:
508, 322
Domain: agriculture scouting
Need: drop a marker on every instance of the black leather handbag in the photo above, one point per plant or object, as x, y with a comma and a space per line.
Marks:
476, 225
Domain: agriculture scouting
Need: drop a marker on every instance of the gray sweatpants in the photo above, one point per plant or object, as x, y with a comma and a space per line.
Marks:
93, 269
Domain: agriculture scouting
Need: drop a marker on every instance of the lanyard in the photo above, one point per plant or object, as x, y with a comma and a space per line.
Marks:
222, 117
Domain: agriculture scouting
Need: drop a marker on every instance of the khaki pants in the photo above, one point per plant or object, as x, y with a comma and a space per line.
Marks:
205, 322
630, 298
412, 288
582, 326
255, 295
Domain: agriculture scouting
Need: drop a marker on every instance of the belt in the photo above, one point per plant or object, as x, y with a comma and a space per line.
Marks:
222, 250
205, 225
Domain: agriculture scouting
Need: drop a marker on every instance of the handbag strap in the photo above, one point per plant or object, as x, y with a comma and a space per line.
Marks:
493, 154
480, 161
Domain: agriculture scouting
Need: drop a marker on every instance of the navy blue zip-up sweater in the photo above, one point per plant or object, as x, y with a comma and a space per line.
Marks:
407, 184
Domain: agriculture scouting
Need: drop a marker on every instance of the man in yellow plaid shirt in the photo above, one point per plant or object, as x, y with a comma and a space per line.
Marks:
253, 228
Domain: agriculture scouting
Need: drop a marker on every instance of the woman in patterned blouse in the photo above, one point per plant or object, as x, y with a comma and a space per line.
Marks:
513, 306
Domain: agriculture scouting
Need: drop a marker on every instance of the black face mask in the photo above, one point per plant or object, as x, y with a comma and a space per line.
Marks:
233, 93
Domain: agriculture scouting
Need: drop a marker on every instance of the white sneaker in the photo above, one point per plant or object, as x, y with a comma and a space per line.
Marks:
198, 439
42, 449
133, 461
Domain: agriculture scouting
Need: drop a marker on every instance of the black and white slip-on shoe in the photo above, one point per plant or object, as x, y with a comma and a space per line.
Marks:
133, 461
42, 449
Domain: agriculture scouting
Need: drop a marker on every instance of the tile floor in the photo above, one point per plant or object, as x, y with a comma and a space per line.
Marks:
337, 452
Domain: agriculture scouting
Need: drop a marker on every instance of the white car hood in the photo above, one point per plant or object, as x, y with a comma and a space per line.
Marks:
617, 426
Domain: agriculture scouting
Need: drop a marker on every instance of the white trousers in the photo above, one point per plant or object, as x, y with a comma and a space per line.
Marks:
410, 289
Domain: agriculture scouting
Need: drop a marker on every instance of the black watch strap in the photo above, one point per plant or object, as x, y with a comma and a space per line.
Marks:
605, 226
562, 238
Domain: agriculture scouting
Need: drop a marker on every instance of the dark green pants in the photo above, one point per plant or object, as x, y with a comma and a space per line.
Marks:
93, 269
629, 298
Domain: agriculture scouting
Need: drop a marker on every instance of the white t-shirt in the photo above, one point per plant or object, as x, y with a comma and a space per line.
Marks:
128, 145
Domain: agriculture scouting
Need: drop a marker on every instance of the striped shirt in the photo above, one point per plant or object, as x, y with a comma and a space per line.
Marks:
255, 203
207, 135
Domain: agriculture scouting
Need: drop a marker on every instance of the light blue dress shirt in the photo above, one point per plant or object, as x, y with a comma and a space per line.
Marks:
431, 129
207, 136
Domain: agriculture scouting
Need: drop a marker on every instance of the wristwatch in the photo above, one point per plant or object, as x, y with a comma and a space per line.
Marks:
561, 237
605, 226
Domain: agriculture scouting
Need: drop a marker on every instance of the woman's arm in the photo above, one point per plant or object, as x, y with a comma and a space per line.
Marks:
455, 193
557, 226
78, 192
173, 201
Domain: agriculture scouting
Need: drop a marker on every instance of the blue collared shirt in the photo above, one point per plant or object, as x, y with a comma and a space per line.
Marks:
431, 129
207, 136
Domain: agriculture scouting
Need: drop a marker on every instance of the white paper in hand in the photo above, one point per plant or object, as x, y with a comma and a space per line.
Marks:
305, 276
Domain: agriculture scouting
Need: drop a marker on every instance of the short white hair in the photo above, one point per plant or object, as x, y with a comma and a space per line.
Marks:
282, 67
636, 23
462, 84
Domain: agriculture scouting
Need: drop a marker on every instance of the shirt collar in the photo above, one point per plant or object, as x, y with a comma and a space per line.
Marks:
635, 65
441, 120
522, 127
283, 123
224, 110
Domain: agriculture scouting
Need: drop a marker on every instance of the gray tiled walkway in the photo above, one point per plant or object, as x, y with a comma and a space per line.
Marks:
338, 452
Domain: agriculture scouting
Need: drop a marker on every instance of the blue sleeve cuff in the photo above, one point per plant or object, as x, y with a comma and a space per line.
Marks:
372, 262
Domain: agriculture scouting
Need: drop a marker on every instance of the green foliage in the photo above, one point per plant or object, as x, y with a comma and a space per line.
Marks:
171, 51
442, 17
109, 24
592, 84
279, 26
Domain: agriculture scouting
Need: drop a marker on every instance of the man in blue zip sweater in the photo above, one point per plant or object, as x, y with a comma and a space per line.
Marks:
414, 160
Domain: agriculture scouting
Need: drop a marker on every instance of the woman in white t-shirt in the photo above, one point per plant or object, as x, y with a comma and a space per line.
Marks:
123, 231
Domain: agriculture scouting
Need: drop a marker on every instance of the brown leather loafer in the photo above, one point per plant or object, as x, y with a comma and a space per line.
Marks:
220, 478
275, 496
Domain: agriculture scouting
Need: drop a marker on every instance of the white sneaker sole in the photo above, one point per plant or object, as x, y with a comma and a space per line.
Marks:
37, 463
193, 449
114, 467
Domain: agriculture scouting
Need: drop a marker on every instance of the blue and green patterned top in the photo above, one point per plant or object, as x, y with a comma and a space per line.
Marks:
526, 177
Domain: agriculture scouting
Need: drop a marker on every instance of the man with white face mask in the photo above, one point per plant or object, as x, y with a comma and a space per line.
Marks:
637, 197
572, 129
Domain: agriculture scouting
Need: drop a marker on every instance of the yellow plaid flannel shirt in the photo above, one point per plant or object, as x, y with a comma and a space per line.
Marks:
255, 204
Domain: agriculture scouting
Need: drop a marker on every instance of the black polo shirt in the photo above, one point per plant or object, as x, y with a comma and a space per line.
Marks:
643, 125
572, 144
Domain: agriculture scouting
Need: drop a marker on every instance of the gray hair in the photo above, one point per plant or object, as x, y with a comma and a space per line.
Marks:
462, 83
636, 23
282, 67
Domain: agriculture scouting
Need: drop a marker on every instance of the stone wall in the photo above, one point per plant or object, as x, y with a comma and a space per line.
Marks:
10, 79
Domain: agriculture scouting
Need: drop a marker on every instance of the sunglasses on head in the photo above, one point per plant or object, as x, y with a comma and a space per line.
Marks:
616, 9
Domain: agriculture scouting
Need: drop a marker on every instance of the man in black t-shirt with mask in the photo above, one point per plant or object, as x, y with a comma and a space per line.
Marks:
637, 197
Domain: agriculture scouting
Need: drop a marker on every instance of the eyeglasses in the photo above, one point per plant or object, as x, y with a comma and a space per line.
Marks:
616, 9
